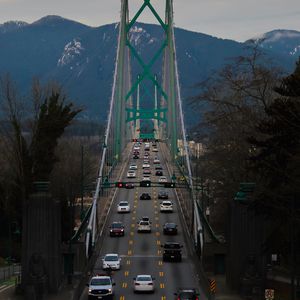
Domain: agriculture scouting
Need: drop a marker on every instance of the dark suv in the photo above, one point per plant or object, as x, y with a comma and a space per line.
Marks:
172, 251
186, 294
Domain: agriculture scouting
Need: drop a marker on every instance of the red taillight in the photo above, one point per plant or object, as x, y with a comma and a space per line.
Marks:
197, 298
178, 298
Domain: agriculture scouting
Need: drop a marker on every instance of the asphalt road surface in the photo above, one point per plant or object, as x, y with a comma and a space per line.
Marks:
141, 253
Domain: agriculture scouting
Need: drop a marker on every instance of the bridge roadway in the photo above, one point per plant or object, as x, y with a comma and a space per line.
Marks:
141, 252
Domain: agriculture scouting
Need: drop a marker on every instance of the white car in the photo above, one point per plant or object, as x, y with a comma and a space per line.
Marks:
123, 207
146, 178
156, 160
131, 174
162, 179
154, 150
144, 226
146, 166
136, 147
111, 261
143, 283
133, 167
101, 285
166, 206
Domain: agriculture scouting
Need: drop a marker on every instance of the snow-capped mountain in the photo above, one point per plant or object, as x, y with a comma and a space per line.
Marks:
285, 42
82, 58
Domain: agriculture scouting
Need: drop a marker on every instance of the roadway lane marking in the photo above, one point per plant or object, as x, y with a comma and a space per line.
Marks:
124, 285
158, 242
156, 218
128, 262
134, 206
133, 218
132, 225
162, 285
126, 273
162, 298
161, 274
159, 252
157, 233
122, 297
134, 212
130, 242
129, 252
160, 263
155, 206
157, 225
131, 233
156, 212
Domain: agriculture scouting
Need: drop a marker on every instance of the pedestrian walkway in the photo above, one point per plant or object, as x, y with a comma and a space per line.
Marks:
222, 291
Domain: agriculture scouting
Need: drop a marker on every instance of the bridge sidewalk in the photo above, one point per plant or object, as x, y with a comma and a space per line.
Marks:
222, 290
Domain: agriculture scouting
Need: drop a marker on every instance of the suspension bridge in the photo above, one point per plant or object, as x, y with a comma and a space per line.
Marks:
145, 107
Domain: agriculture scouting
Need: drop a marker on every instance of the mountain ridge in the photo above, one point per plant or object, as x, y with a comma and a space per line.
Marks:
81, 57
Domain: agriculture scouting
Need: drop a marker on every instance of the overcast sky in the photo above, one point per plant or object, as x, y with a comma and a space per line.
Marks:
233, 19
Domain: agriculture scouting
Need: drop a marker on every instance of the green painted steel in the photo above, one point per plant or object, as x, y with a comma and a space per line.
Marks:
146, 114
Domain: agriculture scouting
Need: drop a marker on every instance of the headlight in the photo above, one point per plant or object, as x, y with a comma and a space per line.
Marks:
111, 230
109, 290
90, 290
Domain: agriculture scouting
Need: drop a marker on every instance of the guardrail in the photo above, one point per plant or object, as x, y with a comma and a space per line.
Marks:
8, 272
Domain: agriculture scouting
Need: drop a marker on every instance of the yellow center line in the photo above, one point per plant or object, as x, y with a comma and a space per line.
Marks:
124, 285
130, 242
132, 225
131, 233
126, 273
162, 285
133, 218
157, 233
160, 263
162, 298
129, 252
158, 242
161, 274
128, 262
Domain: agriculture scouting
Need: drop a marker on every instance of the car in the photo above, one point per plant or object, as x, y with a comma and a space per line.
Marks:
158, 167
123, 207
147, 148
133, 167
146, 178
162, 179
187, 294
136, 148
146, 154
135, 156
145, 165
154, 149
129, 185
159, 173
146, 171
156, 161
116, 229
145, 218
166, 206
145, 196
101, 287
172, 251
146, 161
170, 229
163, 194
143, 283
111, 261
131, 174
144, 226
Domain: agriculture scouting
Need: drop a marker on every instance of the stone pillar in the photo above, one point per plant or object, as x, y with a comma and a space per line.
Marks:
41, 243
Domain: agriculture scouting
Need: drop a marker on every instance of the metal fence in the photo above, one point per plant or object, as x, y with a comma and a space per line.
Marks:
8, 272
